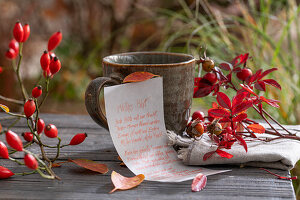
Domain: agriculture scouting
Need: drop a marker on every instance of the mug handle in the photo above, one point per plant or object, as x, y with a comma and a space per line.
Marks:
92, 103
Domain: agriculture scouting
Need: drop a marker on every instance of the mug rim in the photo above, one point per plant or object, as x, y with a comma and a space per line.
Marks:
192, 59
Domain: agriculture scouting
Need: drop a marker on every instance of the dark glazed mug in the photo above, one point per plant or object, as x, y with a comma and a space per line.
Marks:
176, 69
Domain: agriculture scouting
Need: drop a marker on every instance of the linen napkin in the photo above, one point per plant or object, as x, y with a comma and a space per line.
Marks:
279, 154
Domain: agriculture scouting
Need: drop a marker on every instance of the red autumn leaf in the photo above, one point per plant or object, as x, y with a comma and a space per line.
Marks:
255, 76
260, 85
91, 165
218, 112
124, 183
242, 142
199, 182
229, 76
271, 102
203, 91
265, 73
223, 100
248, 89
225, 66
224, 154
214, 105
208, 155
242, 107
272, 82
256, 128
238, 99
138, 77
238, 69
240, 117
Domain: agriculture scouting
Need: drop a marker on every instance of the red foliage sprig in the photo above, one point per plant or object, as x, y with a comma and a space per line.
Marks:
228, 119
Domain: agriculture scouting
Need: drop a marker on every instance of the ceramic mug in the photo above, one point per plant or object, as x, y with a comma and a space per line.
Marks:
176, 69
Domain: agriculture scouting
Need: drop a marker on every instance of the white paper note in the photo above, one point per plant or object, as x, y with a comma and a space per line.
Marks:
135, 116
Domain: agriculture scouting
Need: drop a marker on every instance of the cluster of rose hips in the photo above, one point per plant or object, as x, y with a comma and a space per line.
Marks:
196, 127
50, 65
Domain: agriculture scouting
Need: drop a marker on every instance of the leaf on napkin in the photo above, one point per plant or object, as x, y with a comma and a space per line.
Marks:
199, 182
138, 77
122, 164
91, 165
4, 108
256, 128
224, 154
123, 183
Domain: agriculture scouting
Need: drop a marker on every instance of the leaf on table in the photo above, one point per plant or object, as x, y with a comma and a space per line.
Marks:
138, 77
124, 183
4, 108
256, 128
0, 127
91, 165
199, 182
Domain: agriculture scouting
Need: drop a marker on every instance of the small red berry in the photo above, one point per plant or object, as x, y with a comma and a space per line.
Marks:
28, 136
11, 54
228, 129
40, 126
51, 131
14, 140
30, 161
37, 91
211, 77
244, 74
29, 108
54, 40
3, 151
78, 139
45, 60
54, 66
1, 70
5, 173
26, 29
13, 44
18, 32
198, 115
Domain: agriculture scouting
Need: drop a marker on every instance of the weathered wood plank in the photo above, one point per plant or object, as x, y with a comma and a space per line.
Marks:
78, 183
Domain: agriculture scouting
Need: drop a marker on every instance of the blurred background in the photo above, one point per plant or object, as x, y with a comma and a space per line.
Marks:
268, 30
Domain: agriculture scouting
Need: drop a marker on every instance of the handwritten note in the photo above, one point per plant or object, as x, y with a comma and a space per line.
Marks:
135, 118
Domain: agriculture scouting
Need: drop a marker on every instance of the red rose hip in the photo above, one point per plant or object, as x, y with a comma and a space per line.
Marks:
37, 91
78, 139
5, 173
54, 40
198, 115
244, 74
54, 66
51, 131
211, 77
29, 108
28, 136
14, 140
45, 60
40, 126
18, 32
3, 151
26, 29
30, 161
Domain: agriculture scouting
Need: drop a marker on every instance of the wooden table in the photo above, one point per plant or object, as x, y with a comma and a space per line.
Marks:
78, 183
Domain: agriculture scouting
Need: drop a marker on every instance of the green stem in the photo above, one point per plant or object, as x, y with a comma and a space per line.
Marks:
24, 93
15, 160
11, 100
26, 173
47, 92
58, 150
